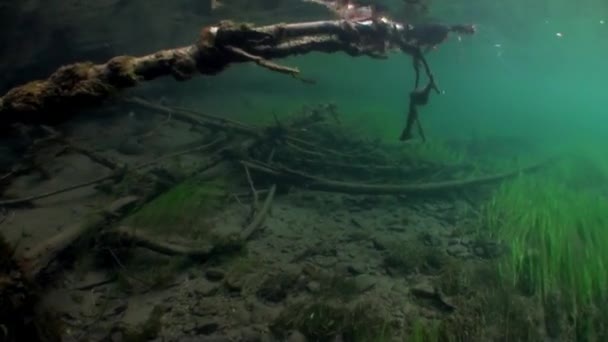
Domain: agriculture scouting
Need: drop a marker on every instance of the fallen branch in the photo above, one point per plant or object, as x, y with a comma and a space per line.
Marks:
119, 172
260, 216
28, 200
321, 184
82, 84
94, 156
254, 194
199, 119
127, 236
131, 237
396, 169
39, 257
92, 285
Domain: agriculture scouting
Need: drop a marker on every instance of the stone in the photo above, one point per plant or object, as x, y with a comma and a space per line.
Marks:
268, 337
365, 282
397, 228
296, 336
313, 287
356, 269
131, 147
250, 335
325, 261
380, 244
241, 315
262, 314
202, 310
212, 339
429, 239
117, 336
234, 283
458, 251
205, 327
488, 249
206, 289
214, 274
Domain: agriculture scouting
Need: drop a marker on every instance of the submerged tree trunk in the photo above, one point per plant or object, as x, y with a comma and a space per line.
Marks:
74, 86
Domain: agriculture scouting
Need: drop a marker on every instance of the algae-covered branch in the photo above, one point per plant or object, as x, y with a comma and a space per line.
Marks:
83, 84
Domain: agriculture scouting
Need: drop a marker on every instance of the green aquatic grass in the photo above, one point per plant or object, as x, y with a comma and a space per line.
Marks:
424, 331
557, 231
184, 210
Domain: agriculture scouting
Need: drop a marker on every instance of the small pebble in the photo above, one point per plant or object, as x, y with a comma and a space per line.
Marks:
296, 336
313, 287
214, 274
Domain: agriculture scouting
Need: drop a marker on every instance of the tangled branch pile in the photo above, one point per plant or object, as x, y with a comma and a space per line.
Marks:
276, 158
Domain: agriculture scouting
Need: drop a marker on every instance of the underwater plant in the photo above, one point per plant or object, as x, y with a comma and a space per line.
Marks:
184, 210
556, 232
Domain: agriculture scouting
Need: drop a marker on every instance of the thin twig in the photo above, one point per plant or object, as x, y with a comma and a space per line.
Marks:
199, 119
261, 215
124, 268
29, 199
271, 156
305, 151
322, 149
263, 62
238, 200
92, 285
6, 176
94, 156
254, 194
180, 153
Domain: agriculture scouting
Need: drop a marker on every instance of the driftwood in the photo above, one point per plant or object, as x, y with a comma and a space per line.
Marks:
196, 118
81, 84
127, 236
39, 257
316, 183
200, 119
260, 216
119, 171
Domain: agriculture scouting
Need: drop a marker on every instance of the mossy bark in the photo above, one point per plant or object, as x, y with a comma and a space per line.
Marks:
77, 85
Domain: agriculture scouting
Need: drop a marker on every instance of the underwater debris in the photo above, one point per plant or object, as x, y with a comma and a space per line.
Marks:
316, 183
20, 317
